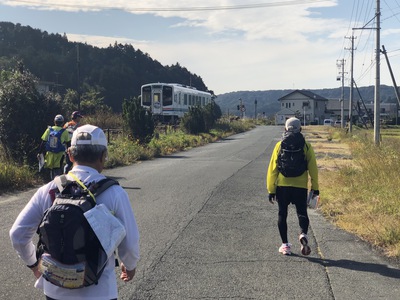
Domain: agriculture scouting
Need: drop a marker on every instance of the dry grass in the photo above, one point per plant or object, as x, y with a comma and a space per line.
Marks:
359, 183
330, 151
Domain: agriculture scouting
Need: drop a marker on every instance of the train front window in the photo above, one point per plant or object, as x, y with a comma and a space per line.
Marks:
146, 96
167, 95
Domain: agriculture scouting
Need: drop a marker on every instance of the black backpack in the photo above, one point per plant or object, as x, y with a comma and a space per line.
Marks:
292, 161
69, 252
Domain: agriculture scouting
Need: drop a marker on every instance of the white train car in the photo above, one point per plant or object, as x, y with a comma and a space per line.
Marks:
170, 101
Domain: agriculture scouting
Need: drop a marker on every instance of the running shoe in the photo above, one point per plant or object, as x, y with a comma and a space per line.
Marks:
285, 249
305, 249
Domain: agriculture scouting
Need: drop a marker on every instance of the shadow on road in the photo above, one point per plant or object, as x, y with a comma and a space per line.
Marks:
357, 266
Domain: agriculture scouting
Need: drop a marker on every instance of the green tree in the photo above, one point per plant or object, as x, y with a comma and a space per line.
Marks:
92, 101
201, 119
211, 113
193, 121
25, 113
139, 121
71, 100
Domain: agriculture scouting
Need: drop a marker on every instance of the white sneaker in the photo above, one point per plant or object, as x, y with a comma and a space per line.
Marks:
305, 249
285, 249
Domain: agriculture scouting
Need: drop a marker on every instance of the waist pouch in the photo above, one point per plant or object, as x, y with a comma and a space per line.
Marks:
62, 275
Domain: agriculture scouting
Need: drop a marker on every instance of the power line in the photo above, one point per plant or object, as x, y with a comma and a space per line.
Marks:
172, 9
394, 14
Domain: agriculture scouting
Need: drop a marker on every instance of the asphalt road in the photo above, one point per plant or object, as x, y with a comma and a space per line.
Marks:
208, 232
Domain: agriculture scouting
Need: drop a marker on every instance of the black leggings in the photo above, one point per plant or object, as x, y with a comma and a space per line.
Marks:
298, 196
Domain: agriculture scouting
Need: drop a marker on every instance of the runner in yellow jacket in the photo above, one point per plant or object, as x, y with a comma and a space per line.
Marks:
286, 190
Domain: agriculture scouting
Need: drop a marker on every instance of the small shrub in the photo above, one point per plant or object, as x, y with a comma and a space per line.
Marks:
138, 120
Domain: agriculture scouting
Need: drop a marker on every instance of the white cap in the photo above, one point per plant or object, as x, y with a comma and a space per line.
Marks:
88, 135
293, 125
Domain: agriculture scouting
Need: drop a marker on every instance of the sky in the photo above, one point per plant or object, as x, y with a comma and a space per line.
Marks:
235, 45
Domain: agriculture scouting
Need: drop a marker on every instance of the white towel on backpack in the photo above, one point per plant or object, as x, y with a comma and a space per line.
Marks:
108, 229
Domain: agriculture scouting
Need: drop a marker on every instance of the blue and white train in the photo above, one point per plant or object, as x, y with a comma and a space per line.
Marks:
170, 101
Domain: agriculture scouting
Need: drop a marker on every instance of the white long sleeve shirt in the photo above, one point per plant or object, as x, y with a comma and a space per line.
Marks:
115, 199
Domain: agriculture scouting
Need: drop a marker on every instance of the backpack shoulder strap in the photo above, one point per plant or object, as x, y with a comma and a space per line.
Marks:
104, 184
61, 182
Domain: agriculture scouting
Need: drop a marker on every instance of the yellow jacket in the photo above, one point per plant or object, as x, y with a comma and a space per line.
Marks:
274, 178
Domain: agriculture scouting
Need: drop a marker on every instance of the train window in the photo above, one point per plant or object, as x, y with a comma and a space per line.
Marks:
146, 96
190, 100
185, 100
176, 98
156, 97
167, 95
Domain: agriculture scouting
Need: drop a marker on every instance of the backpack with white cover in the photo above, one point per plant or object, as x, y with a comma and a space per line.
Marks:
53, 143
292, 161
69, 252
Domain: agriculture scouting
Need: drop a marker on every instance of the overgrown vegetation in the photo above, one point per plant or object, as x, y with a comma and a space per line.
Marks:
359, 183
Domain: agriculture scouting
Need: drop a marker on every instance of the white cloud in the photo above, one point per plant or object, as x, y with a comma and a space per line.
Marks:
103, 41
281, 19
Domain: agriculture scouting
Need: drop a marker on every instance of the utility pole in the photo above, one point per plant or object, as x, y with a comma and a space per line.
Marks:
340, 63
255, 109
351, 84
377, 106
396, 89
78, 76
241, 108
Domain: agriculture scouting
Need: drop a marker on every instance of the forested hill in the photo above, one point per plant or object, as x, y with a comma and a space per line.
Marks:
267, 101
117, 72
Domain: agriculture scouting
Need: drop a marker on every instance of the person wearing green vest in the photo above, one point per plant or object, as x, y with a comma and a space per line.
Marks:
54, 142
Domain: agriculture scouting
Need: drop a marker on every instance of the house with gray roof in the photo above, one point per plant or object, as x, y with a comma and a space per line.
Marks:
307, 106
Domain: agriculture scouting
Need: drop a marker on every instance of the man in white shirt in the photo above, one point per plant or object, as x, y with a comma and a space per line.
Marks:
88, 152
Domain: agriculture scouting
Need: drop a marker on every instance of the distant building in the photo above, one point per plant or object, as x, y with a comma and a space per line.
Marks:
362, 112
307, 106
388, 111
334, 109
44, 87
